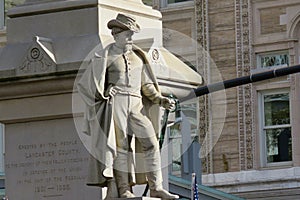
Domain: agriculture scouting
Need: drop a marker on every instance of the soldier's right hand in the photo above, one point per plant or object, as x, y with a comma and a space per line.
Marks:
113, 91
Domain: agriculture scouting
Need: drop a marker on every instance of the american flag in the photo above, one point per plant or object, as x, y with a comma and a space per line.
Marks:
195, 193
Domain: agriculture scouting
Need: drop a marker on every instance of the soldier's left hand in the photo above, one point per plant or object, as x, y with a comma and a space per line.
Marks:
167, 103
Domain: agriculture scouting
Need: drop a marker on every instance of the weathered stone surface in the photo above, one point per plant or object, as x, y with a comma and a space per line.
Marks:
270, 20
46, 160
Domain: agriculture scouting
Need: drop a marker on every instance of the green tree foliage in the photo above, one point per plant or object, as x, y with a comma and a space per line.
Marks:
147, 2
12, 3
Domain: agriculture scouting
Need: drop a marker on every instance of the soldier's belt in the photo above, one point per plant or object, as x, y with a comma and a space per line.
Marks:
129, 93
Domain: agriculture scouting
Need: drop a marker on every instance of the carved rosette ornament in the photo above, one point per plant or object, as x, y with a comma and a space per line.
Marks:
245, 97
39, 59
155, 55
36, 62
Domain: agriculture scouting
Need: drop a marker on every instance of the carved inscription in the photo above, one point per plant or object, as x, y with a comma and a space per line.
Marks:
50, 169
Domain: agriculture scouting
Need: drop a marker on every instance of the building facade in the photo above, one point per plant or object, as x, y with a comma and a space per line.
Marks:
255, 155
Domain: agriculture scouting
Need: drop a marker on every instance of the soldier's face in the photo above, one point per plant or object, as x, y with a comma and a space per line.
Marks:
124, 38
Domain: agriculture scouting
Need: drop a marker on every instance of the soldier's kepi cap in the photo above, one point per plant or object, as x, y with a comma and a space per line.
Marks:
124, 22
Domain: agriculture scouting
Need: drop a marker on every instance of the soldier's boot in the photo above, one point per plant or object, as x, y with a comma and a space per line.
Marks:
112, 191
155, 185
162, 193
123, 184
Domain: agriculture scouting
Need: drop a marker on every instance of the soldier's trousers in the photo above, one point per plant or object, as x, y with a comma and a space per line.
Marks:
129, 120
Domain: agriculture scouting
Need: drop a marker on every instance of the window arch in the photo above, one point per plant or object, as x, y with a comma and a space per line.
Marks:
294, 27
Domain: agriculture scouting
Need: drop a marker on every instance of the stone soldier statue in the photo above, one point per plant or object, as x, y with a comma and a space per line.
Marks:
119, 88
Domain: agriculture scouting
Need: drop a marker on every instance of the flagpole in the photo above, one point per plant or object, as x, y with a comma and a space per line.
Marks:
192, 185
194, 188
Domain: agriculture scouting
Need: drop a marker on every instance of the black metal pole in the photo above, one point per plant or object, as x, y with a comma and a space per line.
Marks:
277, 72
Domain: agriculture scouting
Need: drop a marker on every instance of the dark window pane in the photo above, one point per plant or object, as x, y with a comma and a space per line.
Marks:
176, 156
274, 60
276, 109
279, 145
177, 1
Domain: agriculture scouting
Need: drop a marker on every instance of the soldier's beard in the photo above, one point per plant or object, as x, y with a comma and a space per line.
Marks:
128, 46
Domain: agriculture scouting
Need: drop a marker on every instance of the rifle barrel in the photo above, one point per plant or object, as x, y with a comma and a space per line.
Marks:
210, 88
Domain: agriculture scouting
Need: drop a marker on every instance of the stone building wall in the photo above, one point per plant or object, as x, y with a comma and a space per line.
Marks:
270, 20
236, 33
178, 29
259, 28
217, 18
221, 28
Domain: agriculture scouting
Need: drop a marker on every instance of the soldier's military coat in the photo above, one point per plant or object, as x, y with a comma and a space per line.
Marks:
98, 117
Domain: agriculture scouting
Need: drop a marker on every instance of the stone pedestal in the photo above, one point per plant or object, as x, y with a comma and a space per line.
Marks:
47, 41
46, 44
44, 157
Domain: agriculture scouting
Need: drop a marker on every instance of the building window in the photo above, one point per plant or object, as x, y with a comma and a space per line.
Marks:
189, 109
5, 5
166, 3
176, 1
276, 128
176, 142
275, 59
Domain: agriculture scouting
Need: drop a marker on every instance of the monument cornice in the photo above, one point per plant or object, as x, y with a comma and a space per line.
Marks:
49, 7
62, 6
9, 75
21, 87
